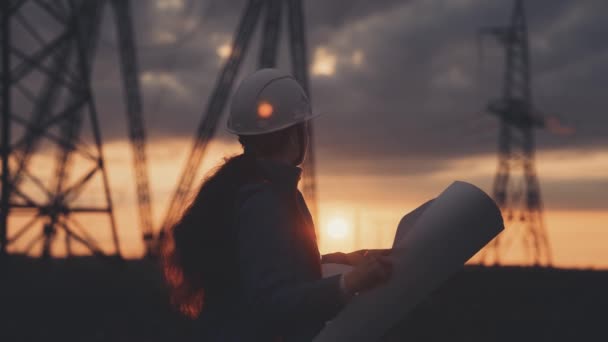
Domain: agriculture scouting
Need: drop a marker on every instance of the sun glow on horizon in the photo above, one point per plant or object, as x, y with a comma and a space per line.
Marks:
577, 235
337, 228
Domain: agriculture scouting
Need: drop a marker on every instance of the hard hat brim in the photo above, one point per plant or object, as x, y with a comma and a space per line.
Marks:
308, 117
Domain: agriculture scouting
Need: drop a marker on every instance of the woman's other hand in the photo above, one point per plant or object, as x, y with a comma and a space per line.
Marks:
368, 273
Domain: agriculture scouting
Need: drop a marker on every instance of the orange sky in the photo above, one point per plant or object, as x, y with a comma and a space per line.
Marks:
578, 237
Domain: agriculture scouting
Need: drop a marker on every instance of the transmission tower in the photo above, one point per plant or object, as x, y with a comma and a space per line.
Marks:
46, 102
518, 197
219, 97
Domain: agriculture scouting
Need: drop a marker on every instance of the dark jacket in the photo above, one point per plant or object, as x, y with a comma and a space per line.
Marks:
279, 293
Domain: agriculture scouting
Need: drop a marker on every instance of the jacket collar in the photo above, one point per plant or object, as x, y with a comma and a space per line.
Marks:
283, 175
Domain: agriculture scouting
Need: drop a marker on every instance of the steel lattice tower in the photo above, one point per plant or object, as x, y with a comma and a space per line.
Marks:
47, 103
518, 197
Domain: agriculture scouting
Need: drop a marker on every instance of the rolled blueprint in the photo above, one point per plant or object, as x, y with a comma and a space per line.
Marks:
448, 232
408, 221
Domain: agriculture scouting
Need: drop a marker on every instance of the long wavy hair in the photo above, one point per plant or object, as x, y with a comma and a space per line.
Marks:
197, 250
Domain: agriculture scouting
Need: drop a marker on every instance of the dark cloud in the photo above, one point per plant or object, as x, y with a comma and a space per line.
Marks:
418, 74
416, 94
415, 101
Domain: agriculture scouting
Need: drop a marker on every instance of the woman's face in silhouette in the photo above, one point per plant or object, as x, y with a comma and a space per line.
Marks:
297, 144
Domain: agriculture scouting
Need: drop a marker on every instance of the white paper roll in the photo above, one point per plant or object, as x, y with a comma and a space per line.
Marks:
408, 222
450, 230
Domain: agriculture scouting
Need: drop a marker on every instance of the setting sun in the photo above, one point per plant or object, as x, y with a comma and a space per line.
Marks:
337, 228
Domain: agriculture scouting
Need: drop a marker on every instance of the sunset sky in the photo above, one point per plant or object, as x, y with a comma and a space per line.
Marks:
402, 96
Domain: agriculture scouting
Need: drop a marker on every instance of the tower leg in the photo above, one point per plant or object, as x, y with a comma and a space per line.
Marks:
6, 105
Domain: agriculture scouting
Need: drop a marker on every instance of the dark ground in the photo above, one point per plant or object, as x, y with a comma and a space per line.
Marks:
86, 299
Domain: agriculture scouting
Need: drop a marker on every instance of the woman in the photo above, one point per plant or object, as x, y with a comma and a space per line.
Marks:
244, 255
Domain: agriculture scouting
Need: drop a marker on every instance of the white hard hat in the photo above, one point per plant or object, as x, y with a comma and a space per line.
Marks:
267, 101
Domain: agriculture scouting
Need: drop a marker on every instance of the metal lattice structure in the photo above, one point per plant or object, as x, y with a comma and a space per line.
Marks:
219, 96
130, 74
518, 198
46, 74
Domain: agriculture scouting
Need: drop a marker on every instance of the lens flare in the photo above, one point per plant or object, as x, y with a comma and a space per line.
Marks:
265, 110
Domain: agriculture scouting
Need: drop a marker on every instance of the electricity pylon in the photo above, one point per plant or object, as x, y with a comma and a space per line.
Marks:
47, 98
519, 198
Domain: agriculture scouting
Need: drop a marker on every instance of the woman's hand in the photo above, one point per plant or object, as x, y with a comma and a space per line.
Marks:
355, 258
370, 272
